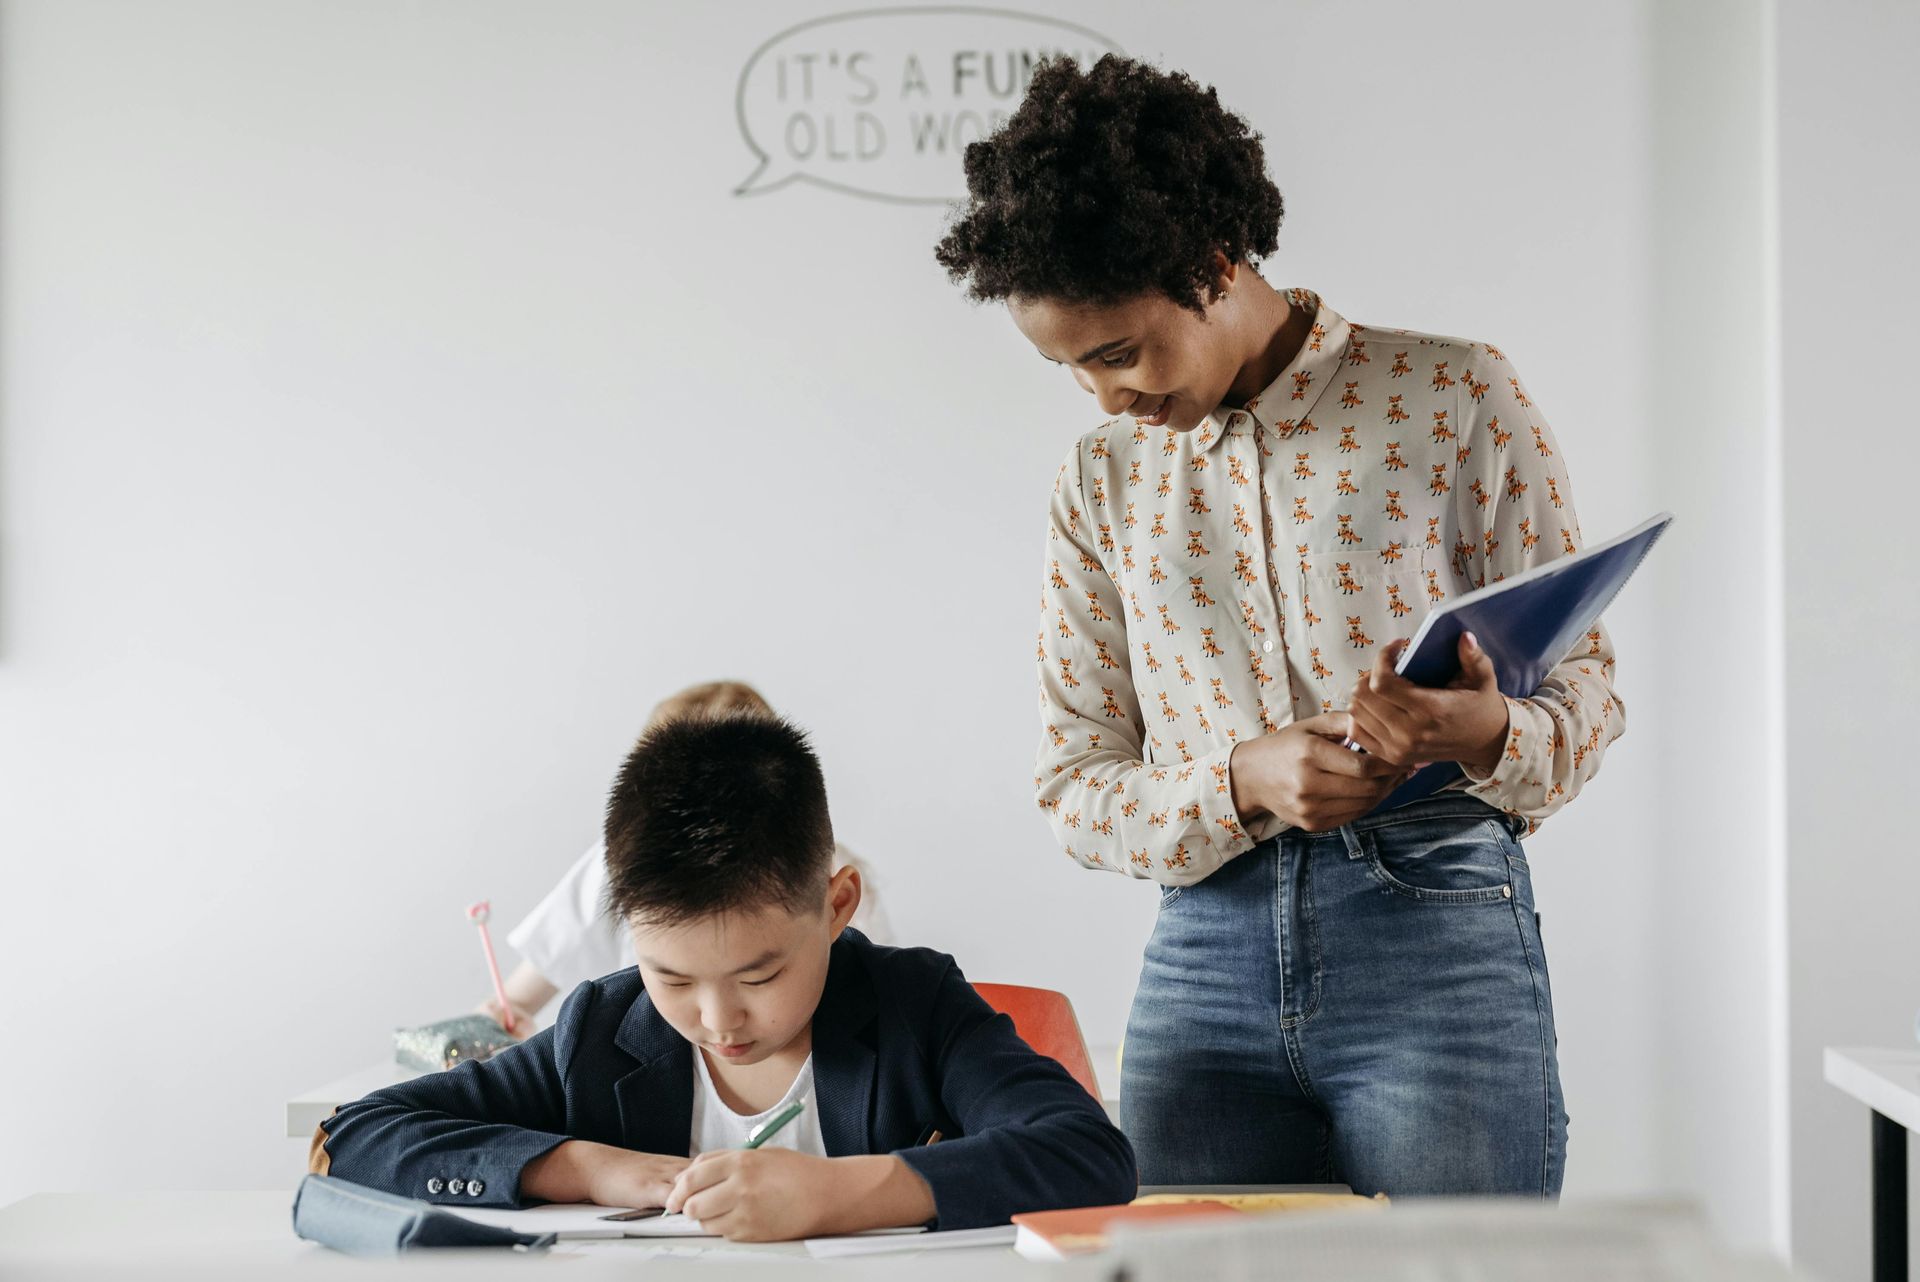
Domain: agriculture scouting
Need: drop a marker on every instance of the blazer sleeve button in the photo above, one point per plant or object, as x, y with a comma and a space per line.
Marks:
435, 1184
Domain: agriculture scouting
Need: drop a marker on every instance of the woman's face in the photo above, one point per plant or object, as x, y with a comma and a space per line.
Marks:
1148, 357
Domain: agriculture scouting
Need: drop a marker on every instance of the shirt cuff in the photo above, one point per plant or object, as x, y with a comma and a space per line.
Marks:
1224, 828
1511, 768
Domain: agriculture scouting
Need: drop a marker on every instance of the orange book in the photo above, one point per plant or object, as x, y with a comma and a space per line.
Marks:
1054, 1235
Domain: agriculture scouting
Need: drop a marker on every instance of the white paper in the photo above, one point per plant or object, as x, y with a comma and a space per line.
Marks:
581, 1220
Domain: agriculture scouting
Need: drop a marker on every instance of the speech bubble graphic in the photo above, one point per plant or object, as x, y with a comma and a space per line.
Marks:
882, 103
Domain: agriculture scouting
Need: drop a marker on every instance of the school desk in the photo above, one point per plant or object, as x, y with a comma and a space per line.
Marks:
1888, 1083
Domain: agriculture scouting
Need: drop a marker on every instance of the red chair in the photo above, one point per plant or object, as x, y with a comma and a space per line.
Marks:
1045, 1021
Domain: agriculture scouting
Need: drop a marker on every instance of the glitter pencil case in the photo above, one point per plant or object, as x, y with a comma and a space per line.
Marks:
447, 1042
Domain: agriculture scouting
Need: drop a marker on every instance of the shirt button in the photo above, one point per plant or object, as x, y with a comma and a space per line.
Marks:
436, 1184
456, 1187
1268, 646
475, 1188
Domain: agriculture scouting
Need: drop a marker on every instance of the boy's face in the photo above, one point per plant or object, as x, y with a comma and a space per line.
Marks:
744, 986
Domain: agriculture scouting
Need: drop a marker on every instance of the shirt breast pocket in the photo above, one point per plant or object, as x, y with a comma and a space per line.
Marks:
1354, 599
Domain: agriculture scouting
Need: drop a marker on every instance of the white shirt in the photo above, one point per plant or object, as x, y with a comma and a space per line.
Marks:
715, 1126
570, 939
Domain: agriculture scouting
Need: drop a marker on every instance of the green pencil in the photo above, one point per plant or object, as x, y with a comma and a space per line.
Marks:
769, 1128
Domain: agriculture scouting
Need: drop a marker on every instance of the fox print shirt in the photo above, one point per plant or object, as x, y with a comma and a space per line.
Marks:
1206, 587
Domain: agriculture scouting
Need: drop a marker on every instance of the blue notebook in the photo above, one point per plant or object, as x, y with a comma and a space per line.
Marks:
1527, 625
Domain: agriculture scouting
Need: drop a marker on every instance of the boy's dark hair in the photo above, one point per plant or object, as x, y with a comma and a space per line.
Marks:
1110, 183
713, 814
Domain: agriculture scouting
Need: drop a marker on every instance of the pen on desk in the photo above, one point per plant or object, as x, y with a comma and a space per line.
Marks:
478, 914
767, 1129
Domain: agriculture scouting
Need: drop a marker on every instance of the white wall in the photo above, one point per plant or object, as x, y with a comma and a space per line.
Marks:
1849, 183
396, 403
1711, 900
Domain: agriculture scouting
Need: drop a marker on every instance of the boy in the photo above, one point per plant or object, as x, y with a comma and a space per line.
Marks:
749, 994
568, 937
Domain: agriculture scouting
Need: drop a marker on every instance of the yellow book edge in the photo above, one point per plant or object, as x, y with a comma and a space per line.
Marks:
1258, 1202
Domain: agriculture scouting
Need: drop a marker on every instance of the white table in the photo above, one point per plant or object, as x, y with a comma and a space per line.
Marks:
1888, 1083
247, 1235
243, 1237
308, 1109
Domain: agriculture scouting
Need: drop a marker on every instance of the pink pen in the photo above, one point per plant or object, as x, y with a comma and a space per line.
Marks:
478, 914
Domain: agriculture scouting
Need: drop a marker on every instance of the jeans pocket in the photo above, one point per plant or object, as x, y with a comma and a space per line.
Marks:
1443, 860
1168, 894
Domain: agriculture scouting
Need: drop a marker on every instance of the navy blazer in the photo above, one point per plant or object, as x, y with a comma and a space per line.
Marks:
902, 1045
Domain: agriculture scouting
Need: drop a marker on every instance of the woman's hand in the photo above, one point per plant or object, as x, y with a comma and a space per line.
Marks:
1305, 776
1409, 725
582, 1171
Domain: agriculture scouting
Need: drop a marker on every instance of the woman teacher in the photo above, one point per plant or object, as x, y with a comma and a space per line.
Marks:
1234, 562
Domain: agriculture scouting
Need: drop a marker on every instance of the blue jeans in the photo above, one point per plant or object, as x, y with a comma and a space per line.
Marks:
1368, 1006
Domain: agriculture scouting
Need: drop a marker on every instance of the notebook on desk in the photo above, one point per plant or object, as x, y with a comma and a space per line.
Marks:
1058, 1235
576, 1221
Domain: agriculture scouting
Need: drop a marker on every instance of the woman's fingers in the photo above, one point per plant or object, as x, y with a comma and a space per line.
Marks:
1383, 740
1332, 758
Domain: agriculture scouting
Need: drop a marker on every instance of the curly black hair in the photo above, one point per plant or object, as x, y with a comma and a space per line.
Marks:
1110, 183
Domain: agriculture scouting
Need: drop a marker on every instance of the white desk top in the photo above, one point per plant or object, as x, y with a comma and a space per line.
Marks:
307, 1110
214, 1237
1888, 1081
310, 1108
250, 1235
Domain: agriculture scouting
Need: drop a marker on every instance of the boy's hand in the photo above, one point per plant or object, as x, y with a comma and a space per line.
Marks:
756, 1195
1404, 724
634, 1179
582, 1171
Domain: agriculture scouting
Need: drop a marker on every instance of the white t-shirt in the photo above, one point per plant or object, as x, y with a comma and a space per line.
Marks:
570, 939
715, 1126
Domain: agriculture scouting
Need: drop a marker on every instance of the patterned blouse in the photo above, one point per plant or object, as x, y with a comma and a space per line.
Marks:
1211, 586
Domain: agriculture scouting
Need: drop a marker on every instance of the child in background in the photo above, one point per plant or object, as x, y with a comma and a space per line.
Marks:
570, 937
750, 995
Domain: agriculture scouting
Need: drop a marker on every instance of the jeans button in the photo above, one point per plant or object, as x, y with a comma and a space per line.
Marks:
1506, 892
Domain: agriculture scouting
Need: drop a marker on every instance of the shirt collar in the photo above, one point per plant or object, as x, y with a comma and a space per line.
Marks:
1286, 405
